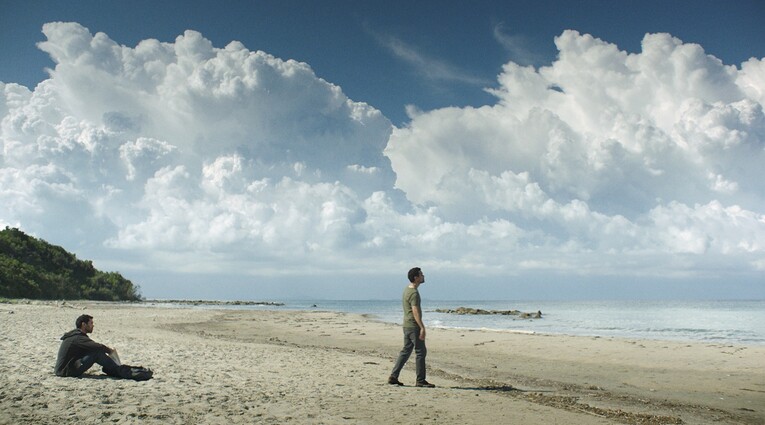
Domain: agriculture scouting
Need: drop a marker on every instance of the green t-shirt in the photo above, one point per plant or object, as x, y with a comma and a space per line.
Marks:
410, 298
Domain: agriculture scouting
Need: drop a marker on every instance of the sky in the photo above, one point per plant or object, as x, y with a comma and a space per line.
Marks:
318, 150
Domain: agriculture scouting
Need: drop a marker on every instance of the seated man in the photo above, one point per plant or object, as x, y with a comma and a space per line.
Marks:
78, 353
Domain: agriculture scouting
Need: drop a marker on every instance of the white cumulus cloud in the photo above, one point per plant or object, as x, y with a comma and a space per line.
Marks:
189, 157
640, 155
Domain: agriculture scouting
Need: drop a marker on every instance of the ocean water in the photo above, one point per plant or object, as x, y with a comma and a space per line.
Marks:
722, 322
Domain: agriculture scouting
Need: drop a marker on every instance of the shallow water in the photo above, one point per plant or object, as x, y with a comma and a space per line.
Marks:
727, 322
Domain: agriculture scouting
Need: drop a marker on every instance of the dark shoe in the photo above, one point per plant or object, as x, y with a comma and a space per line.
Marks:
394, 381
425, 384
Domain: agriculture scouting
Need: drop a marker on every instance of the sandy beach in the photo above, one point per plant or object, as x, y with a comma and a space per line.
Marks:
317, 367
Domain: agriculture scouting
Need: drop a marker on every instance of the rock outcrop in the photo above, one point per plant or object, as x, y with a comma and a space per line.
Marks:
478, 311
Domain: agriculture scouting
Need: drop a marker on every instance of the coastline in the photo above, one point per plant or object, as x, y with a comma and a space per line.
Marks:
285, 366
736, 322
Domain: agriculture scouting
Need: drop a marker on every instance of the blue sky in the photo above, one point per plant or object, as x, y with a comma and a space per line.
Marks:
300, 149
347, 42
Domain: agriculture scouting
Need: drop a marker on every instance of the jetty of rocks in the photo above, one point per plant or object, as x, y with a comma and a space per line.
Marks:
478, 311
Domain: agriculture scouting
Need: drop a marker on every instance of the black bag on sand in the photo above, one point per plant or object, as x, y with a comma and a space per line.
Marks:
136, 373
140, 373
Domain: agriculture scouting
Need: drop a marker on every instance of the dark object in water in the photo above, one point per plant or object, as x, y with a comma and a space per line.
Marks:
478, 311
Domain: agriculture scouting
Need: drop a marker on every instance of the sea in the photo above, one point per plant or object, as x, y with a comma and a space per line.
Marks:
718, 322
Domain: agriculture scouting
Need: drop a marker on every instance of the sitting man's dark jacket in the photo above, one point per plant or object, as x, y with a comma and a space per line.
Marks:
76, 344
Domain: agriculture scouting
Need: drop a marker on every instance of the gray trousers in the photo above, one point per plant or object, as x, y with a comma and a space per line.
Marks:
109, 366
412, 341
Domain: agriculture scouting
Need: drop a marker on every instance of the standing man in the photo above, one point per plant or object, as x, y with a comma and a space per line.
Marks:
414, 331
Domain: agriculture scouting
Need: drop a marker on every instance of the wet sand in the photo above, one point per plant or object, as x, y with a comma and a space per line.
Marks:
238, 366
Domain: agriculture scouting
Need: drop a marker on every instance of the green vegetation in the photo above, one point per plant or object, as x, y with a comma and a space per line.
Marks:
32, 268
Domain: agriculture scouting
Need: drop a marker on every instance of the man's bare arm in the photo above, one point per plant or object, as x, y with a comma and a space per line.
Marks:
418, 318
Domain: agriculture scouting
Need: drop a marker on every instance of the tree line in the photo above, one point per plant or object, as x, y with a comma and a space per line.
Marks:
32, 268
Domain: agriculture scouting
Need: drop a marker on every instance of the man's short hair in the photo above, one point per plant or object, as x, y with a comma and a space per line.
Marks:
413, 273
85, 318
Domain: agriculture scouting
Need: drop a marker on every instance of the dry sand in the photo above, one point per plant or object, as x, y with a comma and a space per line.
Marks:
226, 366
